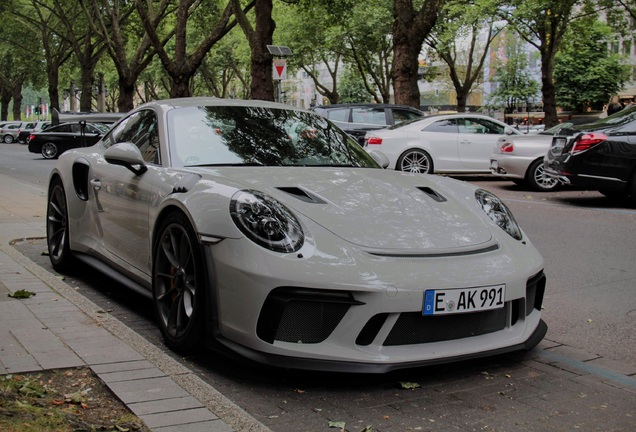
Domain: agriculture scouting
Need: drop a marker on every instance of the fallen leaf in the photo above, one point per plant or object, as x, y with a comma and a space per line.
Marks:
299, 391
409, 385
337, 424
21, 294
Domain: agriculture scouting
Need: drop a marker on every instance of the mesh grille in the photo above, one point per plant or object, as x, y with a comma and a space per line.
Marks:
308, 321
414, 328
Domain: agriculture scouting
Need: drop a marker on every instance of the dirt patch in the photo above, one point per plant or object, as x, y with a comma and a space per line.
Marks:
62, 400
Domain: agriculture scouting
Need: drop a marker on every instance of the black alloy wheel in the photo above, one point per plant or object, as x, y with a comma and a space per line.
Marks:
57, 232
178, 284
49, 150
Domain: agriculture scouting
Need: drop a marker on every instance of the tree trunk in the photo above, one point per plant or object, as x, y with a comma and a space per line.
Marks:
410, 28
86, 97
5, 98
17, 100
548, 92
405, 66
262, 86
125, 102
54, 81
462, 98
180, 86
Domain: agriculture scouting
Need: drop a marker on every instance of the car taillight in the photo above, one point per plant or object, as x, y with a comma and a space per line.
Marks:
31, 137
507, 147
587, 141
374, 140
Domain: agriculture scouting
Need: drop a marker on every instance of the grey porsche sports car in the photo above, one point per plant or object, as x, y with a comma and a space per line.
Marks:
264, 230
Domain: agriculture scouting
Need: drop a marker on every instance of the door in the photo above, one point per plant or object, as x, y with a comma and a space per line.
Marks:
476, 142
122, 197
440, 140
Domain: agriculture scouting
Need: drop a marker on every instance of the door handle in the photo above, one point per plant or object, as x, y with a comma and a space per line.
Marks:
97, 185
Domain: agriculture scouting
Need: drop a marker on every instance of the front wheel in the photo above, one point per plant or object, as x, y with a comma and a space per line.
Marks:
8, 139
178, 284
49, 150
57, 232
415, 161
537, 179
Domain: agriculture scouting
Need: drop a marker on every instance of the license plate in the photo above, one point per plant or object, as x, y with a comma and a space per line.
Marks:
557, 145
450, 301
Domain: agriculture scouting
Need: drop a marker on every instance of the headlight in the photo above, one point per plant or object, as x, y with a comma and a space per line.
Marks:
266, 221
498, 212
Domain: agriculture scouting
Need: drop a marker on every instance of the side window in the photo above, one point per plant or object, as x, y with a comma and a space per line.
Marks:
402, 115
374, 116
446, 126
479, 126
339, 114
64, 128
140, 129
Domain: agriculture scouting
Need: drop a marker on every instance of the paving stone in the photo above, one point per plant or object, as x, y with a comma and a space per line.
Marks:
165, 405
145, 390
209, 426
174, 418
46, 348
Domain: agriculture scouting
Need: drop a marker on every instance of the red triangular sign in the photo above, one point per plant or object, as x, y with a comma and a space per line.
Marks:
280, 69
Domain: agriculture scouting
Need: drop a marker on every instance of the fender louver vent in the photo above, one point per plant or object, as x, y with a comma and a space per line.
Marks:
302, 195
430, 192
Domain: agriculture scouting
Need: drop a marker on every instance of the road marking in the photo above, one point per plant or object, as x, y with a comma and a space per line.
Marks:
591, 369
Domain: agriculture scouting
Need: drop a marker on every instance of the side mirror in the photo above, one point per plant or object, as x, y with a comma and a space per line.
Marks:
380, 158
127, 155
508, 130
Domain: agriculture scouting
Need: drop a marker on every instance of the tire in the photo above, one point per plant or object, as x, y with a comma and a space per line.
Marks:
415, 161
8, 139
49, 151
57, 232
536, 179
178, 284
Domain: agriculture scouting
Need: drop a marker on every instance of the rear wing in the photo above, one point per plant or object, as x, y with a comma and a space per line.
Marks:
91, 117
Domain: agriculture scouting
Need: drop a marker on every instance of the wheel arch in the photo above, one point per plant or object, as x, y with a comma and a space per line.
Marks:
527, 174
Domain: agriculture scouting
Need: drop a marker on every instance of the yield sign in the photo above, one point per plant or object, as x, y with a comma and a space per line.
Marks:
280, 69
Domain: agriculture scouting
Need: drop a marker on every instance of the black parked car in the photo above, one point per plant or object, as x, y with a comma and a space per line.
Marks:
55, 140
598, 156
357, 119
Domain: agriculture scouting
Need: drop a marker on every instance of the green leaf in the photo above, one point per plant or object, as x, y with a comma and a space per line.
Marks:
337, 424
21, 294
409, 385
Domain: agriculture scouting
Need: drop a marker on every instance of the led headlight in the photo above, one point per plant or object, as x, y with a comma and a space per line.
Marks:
266, 221
498, 212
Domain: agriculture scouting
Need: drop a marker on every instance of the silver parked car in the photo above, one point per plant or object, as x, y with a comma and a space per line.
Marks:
293, 249
520, 159
9, 132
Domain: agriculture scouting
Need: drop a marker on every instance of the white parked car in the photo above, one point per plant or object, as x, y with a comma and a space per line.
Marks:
459, 143
294, 250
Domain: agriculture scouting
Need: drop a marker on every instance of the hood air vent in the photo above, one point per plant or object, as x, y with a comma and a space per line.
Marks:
302, 195
430, 192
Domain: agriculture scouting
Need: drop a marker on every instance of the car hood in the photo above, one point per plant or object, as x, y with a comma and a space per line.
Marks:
376, 209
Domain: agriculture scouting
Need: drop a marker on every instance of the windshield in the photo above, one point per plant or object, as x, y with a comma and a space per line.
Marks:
240, 135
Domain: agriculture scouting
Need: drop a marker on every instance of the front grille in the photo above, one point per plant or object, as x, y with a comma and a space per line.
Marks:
415, 328
301, 315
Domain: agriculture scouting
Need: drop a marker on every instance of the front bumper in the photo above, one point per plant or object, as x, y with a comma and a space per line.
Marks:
364, 313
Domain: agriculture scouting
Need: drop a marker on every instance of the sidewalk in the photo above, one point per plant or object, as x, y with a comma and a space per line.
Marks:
59, 328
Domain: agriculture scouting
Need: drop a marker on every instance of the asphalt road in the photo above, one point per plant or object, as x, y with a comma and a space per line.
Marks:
587, 241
